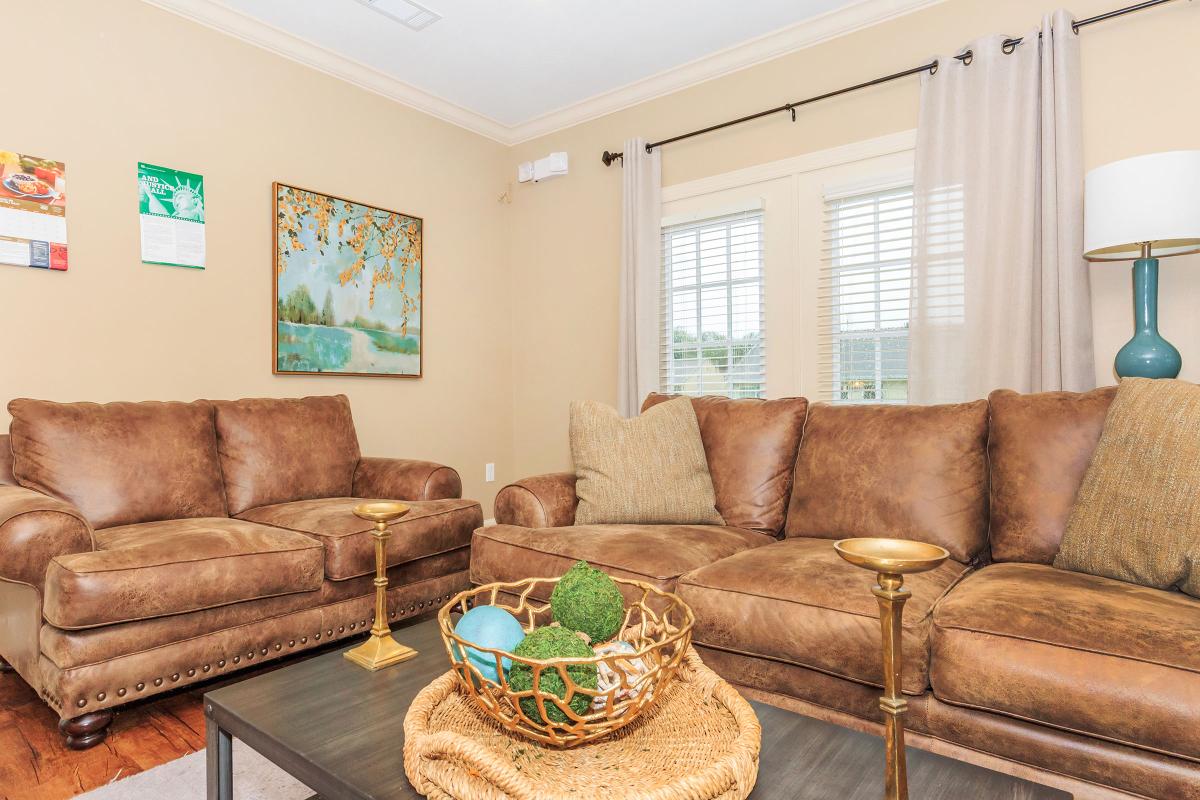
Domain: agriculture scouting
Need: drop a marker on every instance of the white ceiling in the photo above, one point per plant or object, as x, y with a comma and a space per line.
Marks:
513, 60
513, 69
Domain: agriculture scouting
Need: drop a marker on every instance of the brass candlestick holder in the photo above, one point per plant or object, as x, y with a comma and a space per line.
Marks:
380, 650
891, 559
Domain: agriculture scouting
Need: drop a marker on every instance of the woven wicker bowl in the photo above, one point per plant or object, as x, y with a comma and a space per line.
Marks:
658, 625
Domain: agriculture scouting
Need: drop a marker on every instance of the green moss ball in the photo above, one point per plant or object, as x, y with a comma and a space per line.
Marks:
587, 600
553, 643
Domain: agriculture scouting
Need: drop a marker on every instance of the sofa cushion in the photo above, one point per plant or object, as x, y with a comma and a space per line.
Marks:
908, 472
77, 648
120, 463
799, 602
751, 448
1137, 515
278, 450
654, 554
429, 527
645, 470
1039, 447
177, 566
1087, 654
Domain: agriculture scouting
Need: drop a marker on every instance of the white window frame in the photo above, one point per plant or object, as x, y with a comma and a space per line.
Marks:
791, 191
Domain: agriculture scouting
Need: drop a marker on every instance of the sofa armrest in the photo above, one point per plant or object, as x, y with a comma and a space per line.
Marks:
405, 479
543, 501
35, 528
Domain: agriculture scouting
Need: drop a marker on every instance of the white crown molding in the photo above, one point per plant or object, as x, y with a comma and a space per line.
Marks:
806, 33
260, 34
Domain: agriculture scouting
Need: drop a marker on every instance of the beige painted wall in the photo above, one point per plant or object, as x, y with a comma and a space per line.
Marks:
1140, 95
126, 82
520, 300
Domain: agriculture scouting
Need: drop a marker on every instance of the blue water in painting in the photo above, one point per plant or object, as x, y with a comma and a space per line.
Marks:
321, 348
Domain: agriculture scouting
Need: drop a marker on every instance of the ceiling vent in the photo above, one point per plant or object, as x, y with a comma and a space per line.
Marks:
409, 14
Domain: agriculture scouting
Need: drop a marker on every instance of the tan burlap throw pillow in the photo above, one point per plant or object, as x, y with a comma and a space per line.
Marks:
1137, 515
644, 470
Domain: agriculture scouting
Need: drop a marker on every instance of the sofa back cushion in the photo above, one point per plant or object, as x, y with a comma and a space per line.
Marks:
279, 450
6, 474
120, 463
905, 472
751, 449
1039, 447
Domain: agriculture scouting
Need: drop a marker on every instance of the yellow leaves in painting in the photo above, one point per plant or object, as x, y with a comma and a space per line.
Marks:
297, 210
389, 243
349, 274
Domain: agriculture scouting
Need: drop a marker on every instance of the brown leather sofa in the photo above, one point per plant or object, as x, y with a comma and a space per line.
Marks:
1082, 682
148, 546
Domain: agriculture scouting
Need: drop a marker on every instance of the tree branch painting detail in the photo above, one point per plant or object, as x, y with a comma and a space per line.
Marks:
348, 281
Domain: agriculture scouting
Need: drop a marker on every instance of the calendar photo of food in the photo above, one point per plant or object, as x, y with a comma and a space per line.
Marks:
33, 211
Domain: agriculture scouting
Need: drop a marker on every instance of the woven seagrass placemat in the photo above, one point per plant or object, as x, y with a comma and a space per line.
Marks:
700, 741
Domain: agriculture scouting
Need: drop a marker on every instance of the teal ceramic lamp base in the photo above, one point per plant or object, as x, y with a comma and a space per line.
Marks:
1147, 355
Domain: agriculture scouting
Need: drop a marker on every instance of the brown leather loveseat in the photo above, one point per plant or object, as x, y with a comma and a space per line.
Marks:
147, 546
1082, 682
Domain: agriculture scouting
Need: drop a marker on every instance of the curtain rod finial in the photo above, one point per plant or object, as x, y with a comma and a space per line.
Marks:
608, 158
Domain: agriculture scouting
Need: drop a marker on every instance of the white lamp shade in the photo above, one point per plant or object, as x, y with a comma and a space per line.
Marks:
1153, 198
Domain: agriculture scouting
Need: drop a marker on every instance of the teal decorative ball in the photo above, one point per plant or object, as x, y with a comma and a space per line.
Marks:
489, 626
589, 601
552, 642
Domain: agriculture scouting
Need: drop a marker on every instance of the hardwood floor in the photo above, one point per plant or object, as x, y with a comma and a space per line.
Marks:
35, 764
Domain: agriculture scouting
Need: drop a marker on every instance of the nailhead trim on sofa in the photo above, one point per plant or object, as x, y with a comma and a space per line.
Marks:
362, 623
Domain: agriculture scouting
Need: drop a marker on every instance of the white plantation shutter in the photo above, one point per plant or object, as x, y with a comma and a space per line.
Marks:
865, 288
712, 307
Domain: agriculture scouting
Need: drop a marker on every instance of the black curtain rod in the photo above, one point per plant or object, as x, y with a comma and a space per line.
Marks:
1008, 45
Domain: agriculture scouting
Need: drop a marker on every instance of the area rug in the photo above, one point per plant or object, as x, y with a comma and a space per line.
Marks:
254, 778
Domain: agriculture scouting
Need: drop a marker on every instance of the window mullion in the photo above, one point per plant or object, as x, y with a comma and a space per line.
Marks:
699, 316
729, 309
668, 301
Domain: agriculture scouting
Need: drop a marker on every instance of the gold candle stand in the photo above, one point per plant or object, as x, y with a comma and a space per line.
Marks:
380, 650
891, 559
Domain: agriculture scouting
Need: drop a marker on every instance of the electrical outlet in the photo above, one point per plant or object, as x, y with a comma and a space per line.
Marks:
489, 472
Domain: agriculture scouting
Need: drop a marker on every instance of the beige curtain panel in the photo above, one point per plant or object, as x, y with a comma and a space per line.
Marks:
641, 259
1001, 295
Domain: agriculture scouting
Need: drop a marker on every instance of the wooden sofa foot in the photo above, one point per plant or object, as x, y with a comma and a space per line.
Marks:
86, 730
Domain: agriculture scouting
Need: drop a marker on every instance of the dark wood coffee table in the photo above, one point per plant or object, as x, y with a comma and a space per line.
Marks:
339, 730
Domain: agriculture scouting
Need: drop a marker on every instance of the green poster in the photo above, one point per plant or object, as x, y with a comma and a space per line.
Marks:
171, 204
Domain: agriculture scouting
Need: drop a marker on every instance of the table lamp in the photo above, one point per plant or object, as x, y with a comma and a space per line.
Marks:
1144, 208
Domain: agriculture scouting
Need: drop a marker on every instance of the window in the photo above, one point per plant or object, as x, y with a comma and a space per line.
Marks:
863, 299
712, 307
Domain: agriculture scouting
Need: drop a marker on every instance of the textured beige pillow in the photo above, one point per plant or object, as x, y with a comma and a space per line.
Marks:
1137, 515
645, 470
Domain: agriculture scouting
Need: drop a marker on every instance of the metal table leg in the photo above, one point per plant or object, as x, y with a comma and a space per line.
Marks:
219, 758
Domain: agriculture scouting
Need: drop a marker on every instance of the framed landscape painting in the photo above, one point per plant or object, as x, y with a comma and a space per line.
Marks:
347, 287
